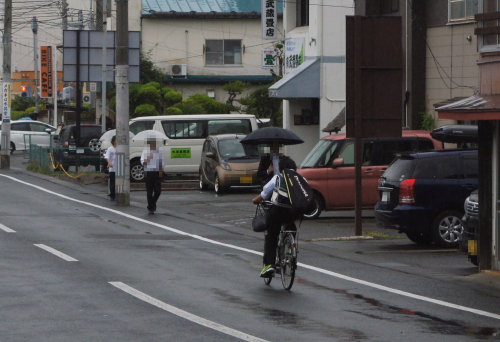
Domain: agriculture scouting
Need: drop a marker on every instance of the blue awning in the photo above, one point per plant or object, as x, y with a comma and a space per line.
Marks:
303, 82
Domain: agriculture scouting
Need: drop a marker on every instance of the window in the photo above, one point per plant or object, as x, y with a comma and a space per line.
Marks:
139, 126
223, 52
242, 126
389, 149
379, 7
37, 127
302, 14
321, 154
490, 6
20, 126
184, 129
462, 9
444, 167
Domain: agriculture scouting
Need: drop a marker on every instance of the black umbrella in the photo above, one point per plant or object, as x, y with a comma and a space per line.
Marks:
270, 135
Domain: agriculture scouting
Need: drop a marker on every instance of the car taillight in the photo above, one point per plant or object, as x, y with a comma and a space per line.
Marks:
407, 191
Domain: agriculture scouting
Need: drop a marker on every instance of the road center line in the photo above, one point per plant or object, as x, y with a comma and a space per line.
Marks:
184, 314
309, 267
6, 229
55, 252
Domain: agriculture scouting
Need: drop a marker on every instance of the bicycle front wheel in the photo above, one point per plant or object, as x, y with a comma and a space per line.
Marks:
288, 261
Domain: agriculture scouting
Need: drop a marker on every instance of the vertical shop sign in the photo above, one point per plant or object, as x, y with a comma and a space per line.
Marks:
46, 72
5, 102
294, 53
269, 19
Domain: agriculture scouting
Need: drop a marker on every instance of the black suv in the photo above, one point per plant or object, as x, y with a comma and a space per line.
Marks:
422, 195
87, 150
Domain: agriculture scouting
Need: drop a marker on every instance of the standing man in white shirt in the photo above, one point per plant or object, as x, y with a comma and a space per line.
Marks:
110, 157
152, 160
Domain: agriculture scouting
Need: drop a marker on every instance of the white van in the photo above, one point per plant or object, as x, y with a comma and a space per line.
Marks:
186, 134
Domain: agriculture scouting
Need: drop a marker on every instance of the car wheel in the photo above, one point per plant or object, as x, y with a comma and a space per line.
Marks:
419, 238
136, 171
316, 207
218, 188
203, 185
94, 145
447, 228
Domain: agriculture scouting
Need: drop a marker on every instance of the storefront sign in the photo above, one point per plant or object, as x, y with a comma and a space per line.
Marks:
269, 57
5, 102
46, 72
269, 17
294, 53
180, 153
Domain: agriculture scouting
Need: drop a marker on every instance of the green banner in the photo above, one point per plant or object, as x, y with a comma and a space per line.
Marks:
180, 153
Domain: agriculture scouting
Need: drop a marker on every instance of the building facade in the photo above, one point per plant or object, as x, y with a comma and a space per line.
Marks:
313, 86
205, 44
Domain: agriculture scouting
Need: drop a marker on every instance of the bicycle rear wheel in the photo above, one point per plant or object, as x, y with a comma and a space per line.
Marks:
288, 261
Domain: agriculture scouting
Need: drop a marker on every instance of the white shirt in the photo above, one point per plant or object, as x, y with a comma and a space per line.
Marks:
276, 164
267, 190
155, 162
110, 156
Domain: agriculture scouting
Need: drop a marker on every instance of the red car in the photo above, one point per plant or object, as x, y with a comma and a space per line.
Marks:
329, 167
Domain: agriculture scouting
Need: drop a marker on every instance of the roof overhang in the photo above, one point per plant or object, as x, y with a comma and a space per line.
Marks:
302, 82
486, 107
204, 15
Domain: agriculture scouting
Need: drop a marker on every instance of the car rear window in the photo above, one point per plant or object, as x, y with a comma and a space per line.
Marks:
401, 168
90, 132
439, 166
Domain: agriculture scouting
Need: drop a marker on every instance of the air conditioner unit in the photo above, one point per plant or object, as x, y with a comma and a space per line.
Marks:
178, 70
88, 99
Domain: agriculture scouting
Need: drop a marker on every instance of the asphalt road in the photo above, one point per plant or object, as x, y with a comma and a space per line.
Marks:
189, 273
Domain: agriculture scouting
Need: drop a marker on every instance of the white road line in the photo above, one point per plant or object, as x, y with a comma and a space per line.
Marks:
184, 314
55, 252
310, 267
6, 229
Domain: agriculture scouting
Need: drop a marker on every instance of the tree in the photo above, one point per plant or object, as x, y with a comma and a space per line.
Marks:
234, 89
149, 72
261, 105
145, 110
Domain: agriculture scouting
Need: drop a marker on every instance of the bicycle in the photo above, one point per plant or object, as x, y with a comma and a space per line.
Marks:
286, 256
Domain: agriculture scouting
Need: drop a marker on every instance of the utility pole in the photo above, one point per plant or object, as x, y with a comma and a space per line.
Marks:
64, 15
92, 17
6, 67
34, 28
122, 105
104, 105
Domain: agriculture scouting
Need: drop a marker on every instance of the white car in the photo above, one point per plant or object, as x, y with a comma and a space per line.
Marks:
24, 132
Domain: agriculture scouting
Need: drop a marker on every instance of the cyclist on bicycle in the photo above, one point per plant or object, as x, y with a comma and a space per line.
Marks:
278, 215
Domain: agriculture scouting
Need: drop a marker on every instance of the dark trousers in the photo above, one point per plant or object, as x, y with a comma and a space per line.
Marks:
153, 188
112, 185
277, 217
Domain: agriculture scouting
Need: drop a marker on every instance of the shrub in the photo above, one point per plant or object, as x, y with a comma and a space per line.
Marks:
145, 110
173, 111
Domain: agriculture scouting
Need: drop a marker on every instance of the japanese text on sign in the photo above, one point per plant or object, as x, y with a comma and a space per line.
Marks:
294, 53
269, 19
180, 153
5, 102
269, 57
46, 81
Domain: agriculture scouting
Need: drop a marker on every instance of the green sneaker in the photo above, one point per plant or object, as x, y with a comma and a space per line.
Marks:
267, 271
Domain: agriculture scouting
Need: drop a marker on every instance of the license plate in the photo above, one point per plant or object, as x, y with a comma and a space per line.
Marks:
386, 196
246, 180
80, 150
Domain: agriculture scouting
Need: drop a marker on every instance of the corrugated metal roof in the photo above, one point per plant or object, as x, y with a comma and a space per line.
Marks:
204, 6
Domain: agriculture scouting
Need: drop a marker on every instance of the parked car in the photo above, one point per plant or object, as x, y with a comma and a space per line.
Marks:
24, 132
88, 148
225, 162
329, 167
470, 222
422, 195
186, 134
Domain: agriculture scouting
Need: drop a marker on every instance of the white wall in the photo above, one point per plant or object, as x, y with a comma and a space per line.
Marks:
451, 69
180, 41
